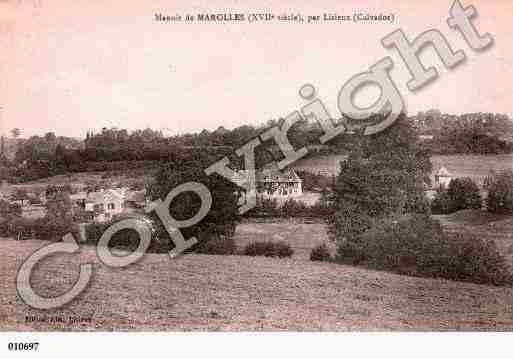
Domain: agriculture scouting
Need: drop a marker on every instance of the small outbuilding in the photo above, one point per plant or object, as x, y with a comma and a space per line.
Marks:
442, 177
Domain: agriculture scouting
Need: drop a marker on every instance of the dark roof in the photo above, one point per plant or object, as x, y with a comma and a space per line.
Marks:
273, 174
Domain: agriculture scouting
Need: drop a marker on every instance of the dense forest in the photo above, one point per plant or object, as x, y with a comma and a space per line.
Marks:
473, 133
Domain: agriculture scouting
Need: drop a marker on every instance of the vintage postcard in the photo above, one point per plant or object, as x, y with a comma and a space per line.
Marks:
178, 166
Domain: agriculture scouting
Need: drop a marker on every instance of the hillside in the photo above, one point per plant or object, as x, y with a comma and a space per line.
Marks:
482, 224
83, 178
200, 292
13, 144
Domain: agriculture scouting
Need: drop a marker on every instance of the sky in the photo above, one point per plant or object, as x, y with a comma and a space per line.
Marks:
74, 66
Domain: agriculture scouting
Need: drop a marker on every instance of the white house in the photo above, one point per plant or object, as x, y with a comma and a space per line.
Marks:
442, 177
100, 206
270, 182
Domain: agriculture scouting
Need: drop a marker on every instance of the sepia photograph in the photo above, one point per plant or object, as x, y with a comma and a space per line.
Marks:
277, 168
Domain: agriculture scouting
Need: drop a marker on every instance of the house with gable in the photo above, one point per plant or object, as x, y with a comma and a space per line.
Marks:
99, 206
271, 182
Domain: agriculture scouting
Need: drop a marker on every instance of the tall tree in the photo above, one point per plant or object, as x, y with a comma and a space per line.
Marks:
223, 214
385, 174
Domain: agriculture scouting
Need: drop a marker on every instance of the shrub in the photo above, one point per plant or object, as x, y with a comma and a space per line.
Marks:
442, 203
269, 207
462, 193
265, 207
127, 238
218, 246
283, 250
320, 209
500, 193
417, 246
268, 249
475, 260
54, 228
260, 248
9, 210
4, 228
94, 231
419, 204
320, 253
19, 225
292, 208
46, 228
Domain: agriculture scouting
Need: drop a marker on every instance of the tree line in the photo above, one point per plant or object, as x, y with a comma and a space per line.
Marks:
113, 149
470, 133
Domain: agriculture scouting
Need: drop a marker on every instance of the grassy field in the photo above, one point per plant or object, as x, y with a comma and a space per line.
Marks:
327, 165
83, 178
202, 292
473, 166
302, 237
459, 165
206, 292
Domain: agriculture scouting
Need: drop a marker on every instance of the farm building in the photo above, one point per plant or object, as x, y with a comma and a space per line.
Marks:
442, 177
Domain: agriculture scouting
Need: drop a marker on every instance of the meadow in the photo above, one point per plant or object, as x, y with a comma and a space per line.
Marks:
473, 166
232, 293
328, 165
460, 165
301, 236
208, 292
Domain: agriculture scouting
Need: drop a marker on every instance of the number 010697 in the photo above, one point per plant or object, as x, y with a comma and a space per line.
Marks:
23, 346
